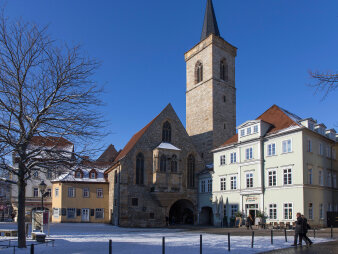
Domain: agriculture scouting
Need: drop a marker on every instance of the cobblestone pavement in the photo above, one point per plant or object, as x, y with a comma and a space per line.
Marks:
325, 248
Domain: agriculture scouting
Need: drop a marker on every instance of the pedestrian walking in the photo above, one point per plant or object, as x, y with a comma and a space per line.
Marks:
305, 228
298, 230
249, 222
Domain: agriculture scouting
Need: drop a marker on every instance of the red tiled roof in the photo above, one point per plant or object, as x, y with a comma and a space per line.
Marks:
279, 119
50, 141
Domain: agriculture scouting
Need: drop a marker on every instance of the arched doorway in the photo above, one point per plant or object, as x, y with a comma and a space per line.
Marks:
181, 212
206, 216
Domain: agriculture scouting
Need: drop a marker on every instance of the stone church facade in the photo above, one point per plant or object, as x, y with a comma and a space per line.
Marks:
154, 179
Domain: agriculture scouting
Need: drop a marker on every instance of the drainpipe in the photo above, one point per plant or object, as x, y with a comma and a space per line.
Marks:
332, 187
262, 171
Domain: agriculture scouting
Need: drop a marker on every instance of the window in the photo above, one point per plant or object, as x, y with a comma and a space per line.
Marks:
56, 192
99, 192
166, 132
209, 185
248, 153
191, 171
222, 160
71, 192
115, 176
35, 192
56, 212
310, 176
223, 183
173, 164
224, 70
233, 182
249, 180
321, 150
334, 180
321, 178
328, 180
99, 213
139, 168
288, 211
328, 152
273, 211
309, 145
134, 201
310, 211
248, 131
234, 210
333, 153
255, 128
36, 174
163, 163
271, 149
203, 186
86, 192
71, 213
198, 72
287, 176
272, 178
321, 211
242, 132
48, 193
78, 174
287, 148
49, 174
233, 158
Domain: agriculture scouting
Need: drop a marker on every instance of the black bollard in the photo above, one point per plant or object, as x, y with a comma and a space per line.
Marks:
252, 239
228, 241
286, 238
200, 244
163, 245
331, 231
32, 249
314, 233
110, 247
271, 237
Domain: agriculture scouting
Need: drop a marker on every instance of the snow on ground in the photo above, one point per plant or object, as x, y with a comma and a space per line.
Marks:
94, 238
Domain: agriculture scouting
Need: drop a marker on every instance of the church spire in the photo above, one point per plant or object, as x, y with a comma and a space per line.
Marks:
210, 23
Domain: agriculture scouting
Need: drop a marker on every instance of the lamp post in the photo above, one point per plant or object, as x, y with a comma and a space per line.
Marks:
42, 187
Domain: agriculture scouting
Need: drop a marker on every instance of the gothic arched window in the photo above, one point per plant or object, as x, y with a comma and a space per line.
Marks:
224, 70
174, 164
198, 72
166, 132
140, 169
163, 163
191, 171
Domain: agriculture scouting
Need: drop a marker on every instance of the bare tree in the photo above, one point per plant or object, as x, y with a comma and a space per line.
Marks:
325, 82
45, 90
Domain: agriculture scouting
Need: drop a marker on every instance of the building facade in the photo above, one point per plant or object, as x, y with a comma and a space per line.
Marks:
278, 165
5, 201
81, 195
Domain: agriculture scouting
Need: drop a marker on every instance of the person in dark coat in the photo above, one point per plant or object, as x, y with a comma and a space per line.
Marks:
298, 230
305, 227
249, 222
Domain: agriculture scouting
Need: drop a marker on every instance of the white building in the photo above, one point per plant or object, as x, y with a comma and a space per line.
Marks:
278, 164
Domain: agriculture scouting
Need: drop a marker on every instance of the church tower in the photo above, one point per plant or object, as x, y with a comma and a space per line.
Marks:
211, 92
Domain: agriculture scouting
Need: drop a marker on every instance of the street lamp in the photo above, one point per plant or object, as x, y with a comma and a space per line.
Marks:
42, 187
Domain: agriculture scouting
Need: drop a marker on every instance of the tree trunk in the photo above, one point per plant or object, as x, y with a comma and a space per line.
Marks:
21, 211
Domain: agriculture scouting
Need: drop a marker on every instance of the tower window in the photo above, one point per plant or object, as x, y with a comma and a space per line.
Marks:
198, 72
191, 171
224, 70
163, 163
166, 132
140, 169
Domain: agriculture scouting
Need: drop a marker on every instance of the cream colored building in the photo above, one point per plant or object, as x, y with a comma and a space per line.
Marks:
278, 164
81, 195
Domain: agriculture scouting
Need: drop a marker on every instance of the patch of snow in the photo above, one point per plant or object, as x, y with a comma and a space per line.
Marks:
168, 146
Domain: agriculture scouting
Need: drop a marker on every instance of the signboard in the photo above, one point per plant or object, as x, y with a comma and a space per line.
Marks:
251, 199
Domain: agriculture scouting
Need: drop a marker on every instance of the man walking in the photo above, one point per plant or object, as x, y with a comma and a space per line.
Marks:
298, 230
305, 228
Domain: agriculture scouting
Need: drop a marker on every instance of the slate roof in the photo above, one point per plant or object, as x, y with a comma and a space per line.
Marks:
278, 118
210, 23
108, 155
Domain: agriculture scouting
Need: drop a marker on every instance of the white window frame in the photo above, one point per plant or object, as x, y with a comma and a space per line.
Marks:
100, 210
56, 212
99, 192
222, 160
287, 144
310, 176
321, 211
249, 180
309, 145
248, 131
232, 210
35, 191
71, 192
85, 191
255, 129
273, 176
321, 149
273, 208
233, 182
223, 182
288, 218
209, 184
271, 149
288, 174
56, 192
242, 132
321, 177
249, 153
233, 157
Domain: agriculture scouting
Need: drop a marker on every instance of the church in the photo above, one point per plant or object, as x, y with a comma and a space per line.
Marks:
154, 180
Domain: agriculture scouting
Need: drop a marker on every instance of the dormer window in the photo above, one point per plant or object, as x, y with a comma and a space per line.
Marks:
78, 173
93, 174
256, 129
242, 132
248, 131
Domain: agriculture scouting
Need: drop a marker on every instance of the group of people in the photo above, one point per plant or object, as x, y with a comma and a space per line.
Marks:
301, 230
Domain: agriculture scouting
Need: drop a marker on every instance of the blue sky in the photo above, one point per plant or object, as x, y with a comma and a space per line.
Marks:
141, 46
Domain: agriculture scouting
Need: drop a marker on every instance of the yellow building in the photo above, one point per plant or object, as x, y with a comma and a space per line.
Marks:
81, 196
